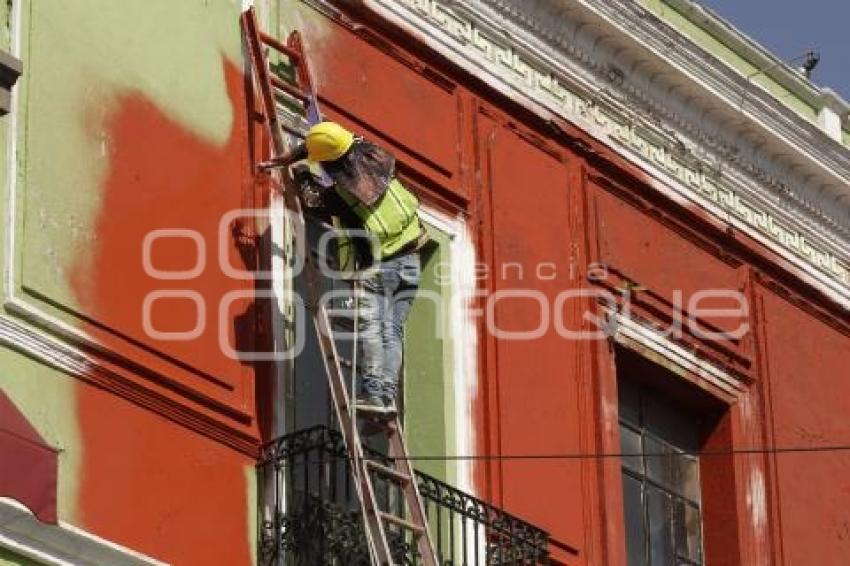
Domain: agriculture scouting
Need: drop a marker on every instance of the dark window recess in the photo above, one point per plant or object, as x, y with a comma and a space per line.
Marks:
10, 70
661, 486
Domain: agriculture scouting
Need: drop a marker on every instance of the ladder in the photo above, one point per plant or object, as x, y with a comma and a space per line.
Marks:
397, 468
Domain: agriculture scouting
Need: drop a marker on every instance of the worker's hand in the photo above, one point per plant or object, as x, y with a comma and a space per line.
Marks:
298, 153
306, 186
243, 235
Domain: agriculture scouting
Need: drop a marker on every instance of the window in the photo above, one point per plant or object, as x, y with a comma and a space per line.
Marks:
661, 485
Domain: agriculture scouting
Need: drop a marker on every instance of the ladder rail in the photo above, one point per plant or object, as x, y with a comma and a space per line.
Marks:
344, 408
327, 346
330, 356
304, 75
402, 464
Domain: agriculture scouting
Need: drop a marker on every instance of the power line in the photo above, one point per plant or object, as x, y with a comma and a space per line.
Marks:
606, 455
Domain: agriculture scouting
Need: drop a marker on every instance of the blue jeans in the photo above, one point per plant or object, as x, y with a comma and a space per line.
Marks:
384, 305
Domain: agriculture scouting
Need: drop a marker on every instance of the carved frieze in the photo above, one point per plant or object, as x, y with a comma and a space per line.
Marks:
504, 40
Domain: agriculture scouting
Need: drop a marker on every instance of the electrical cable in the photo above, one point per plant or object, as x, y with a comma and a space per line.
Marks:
607, 455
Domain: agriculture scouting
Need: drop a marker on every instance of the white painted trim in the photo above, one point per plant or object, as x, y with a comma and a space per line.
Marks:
723, 83
12, 152
62, 544
55, 353
830, 121
463, 336
282, 294
464, 339
441, 221
630, 331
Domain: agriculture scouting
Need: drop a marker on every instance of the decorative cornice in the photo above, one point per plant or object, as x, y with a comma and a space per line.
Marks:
569, 59
639, 336
62, 544
692, 109
19, 336
767, 63
830, 99
746, 115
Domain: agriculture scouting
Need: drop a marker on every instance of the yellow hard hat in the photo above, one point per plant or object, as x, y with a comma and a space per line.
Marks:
327, 141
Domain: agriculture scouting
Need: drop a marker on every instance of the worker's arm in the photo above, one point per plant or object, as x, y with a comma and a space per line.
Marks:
298, 153
318, 200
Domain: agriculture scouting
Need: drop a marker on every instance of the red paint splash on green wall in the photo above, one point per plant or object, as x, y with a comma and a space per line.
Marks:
147, 482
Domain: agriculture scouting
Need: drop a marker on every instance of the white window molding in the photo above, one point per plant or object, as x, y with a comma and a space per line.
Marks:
463, 329
640, 337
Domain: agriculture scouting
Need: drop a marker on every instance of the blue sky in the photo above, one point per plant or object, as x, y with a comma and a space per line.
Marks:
789, 28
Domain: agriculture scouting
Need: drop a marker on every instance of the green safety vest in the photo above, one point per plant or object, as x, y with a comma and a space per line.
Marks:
392, 220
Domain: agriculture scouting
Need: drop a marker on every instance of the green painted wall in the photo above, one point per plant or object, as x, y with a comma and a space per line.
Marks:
80, 57
428, 368
75, 67
717, 48
7, 558
44, 395
46, 398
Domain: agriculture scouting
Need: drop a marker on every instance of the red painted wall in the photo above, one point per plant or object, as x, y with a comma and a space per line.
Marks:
533, 196
531, 381
808, 394
148, 481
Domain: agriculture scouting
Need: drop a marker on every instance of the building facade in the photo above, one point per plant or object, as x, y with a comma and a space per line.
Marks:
629, 341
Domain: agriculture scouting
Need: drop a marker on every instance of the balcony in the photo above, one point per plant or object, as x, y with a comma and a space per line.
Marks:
317, 517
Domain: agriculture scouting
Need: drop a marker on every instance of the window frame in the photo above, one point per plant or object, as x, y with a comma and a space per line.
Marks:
642, 475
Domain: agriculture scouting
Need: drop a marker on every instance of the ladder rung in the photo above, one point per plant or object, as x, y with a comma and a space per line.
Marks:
283, 48
343, 362
387, 471
372, 411
294, 131
392, 426
342, 324
403, 523
293, 91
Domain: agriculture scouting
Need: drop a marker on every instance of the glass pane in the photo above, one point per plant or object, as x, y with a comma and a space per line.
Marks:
687, 477
629, 402
660, 527
660, 461
688, 532
676, 427
635, 531
630, 444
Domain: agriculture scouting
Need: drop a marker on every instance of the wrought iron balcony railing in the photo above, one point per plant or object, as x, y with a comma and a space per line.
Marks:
316, 517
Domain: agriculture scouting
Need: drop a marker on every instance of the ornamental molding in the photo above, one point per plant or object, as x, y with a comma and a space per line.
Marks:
640, 337
62, 544
570, 59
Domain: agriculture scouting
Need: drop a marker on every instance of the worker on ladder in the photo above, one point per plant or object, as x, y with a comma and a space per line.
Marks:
366, 196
